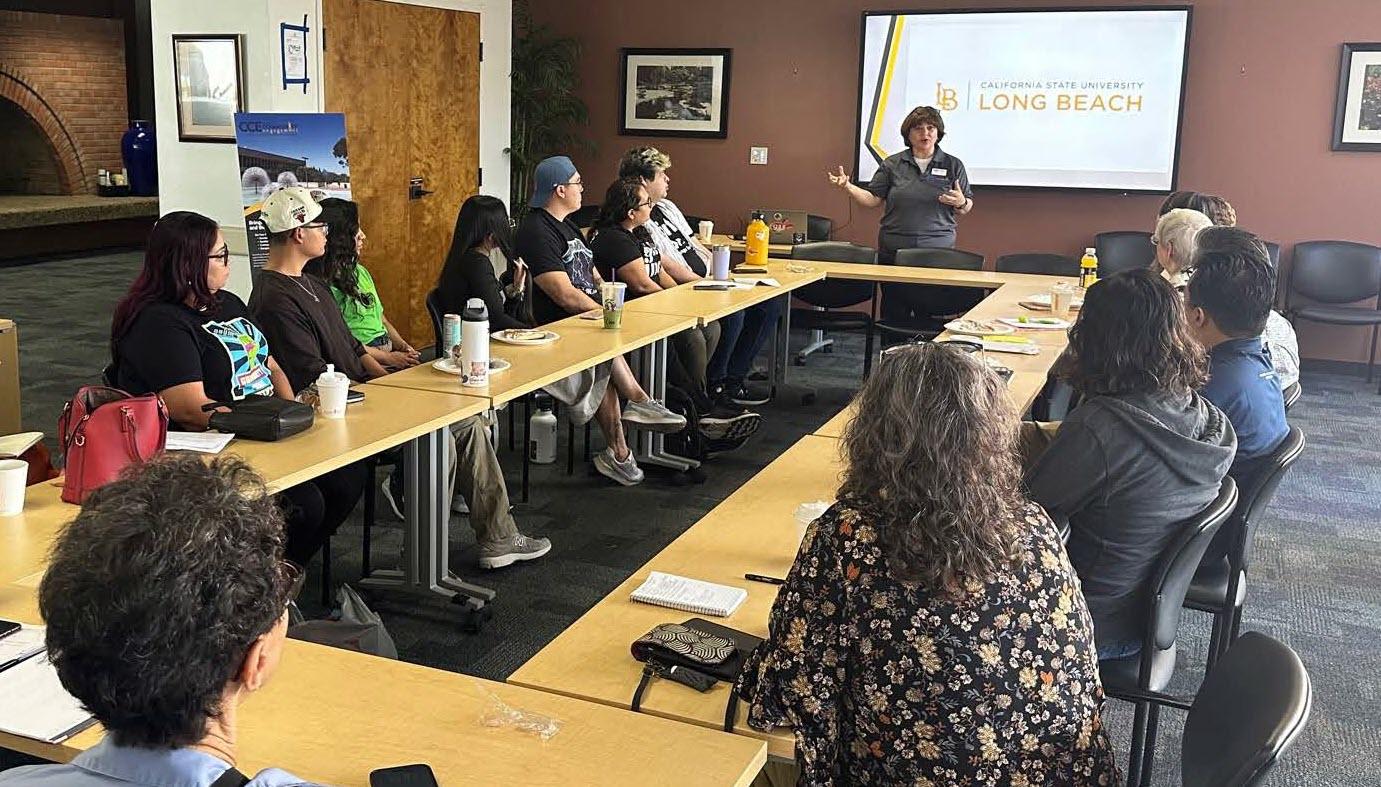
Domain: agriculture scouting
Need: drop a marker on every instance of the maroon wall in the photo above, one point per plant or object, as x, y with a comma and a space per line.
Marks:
1257, 125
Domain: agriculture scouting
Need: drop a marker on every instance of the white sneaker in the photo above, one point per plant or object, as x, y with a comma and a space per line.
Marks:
626, 472
459, 506
511, 550
652, 414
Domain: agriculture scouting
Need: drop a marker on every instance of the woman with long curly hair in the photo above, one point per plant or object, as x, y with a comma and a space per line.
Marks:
1142, 453
353, 287
932, 630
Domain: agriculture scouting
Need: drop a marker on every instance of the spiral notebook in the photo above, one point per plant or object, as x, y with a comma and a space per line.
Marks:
689, 595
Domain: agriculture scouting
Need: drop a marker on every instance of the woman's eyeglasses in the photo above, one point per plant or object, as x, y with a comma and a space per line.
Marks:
222, 256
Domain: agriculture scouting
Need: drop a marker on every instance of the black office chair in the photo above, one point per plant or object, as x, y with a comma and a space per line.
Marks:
1220, 584
1332, 273
1246, 714
818, 228
435, 313
1038, 262
942, 303
1123, 250
833, 294
1142, 679
1292, 393
584, 217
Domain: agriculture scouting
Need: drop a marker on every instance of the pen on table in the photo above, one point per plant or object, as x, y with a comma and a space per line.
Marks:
761, 578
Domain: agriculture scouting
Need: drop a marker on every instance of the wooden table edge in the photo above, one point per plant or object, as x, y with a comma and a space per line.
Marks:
682, 323
473, 405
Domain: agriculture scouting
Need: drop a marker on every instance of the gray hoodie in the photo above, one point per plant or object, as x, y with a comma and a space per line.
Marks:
1126, 471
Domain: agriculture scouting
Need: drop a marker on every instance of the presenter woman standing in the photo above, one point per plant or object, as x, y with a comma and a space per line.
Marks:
924, 190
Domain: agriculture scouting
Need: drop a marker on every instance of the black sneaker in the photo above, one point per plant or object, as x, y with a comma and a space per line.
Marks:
749, 394
727, 422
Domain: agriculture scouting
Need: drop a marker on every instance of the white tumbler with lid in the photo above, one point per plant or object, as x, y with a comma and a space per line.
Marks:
474, 344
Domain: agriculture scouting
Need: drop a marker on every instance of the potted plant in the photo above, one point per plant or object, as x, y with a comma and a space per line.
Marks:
546, 109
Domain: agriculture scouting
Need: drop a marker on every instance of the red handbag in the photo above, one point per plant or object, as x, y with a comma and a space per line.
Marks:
103, 431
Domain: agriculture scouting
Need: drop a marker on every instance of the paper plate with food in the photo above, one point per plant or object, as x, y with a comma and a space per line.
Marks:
1036, 323
525, 336
969, 327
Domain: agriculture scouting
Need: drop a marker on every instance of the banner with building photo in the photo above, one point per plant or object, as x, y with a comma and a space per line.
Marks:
281, 149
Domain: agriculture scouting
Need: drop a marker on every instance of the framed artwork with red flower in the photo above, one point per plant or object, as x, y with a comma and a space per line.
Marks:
1357, 116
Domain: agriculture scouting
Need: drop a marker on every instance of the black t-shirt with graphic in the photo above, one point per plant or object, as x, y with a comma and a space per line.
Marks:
171, 344
615, 247
548, 246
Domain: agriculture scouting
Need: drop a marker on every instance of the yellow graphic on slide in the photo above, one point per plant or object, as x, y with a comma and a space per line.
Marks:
946, 98
884, 90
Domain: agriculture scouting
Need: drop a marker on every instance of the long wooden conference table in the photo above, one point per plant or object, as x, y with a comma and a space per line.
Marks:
394, 713
755, 530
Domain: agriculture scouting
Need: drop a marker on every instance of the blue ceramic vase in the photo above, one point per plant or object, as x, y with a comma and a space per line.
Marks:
140, 152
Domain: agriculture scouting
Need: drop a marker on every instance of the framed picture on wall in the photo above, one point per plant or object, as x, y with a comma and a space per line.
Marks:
675, 92
209, 78
1357, 117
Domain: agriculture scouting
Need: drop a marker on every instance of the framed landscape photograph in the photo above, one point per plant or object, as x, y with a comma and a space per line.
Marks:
209, 79
1357, 117
675, 92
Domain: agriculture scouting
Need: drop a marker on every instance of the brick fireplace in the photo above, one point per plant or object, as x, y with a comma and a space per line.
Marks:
62, 101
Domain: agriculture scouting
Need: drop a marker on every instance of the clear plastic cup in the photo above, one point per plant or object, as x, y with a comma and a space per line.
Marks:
612, 293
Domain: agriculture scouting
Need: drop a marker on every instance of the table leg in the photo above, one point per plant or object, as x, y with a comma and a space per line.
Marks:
651, 363
426, 541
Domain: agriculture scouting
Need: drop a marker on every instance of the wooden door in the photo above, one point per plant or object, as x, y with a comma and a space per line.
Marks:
407, 79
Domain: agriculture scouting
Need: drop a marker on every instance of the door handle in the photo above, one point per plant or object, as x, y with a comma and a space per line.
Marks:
415, 190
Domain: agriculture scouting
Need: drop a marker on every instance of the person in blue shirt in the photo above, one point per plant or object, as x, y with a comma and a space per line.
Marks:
1229, 299
166, 604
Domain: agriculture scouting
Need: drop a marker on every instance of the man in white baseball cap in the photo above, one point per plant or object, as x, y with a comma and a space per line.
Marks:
296, 312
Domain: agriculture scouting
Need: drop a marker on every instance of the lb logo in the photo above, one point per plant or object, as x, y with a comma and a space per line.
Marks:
946, 98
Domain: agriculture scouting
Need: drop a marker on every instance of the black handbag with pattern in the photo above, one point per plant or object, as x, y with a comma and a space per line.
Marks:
696, 653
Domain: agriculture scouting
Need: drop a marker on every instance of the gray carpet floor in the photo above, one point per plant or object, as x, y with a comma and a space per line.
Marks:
1316, 584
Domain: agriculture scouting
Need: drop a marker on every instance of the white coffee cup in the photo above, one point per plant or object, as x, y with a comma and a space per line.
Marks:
332, 388
13, 475
706, 231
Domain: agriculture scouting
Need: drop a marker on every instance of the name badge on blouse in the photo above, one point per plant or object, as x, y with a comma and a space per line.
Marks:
939, 172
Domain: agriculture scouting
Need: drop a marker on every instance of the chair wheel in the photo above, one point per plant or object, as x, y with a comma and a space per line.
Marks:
799, 360
827, 349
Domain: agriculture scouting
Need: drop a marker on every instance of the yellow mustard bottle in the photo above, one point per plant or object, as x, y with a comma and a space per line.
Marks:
755, 238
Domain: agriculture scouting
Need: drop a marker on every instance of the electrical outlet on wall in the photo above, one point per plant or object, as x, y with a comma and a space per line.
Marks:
757, 155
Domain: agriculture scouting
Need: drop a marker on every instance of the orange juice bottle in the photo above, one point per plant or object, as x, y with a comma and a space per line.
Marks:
1088, 268
756, 240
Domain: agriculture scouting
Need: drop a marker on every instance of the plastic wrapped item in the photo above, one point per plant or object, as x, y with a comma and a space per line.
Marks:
500, 714
809, 512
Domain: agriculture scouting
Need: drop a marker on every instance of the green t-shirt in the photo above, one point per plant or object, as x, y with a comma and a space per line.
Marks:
365, 322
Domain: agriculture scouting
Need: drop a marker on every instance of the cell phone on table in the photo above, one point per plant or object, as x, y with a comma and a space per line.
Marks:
404, 776
354, 395
721, 286
8, 627
593, 314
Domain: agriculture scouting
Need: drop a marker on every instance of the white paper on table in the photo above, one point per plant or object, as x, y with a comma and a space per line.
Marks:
33, 703
22, 644
755, 281
201, 442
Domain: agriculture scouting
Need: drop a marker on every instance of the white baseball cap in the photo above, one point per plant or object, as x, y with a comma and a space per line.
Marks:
289, 208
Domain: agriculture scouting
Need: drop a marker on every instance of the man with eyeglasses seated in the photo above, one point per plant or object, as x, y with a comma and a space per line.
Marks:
166, 605
297, 312
565, 282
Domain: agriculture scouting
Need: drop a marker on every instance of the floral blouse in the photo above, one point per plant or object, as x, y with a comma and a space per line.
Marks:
888, 684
